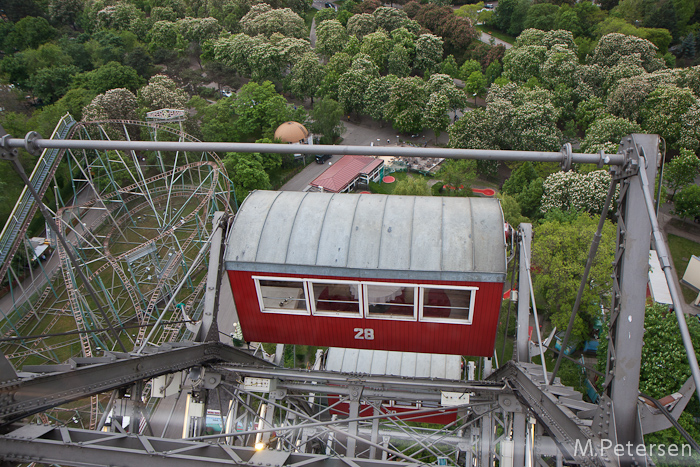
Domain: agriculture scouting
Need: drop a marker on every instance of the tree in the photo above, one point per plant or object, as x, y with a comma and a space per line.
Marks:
218, 120
246, 172
305, 77
327, 114
262, 19
472, 131
503, 14
681, 170
260, 110
674, 113
559, 253
526, 187
331, 38
428, 52
398, 61
389, 18
162, 93
687, 203
458, 175
336, 67
475, 84
613, 47
65, 11
122, 16
30, 33
444, 84
406, 103
412, 186
50, 84
115, 104
113, 75
606, 133
522, 63
688, 47
467, 68
361, 25
377, 46
578, 192
542, 16
449, 67
435, 116
377, 95
353, 83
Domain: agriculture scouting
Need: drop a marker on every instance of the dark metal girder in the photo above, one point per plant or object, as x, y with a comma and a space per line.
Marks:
30, 394
65, 446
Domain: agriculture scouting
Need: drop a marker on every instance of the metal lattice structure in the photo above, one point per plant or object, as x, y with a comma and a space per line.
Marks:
514, 415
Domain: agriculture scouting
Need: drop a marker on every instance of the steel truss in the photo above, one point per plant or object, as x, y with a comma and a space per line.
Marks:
514, 417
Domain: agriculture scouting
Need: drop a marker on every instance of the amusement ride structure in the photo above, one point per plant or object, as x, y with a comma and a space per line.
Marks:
116, 347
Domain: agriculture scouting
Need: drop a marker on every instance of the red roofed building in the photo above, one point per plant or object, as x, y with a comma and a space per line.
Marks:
345, 174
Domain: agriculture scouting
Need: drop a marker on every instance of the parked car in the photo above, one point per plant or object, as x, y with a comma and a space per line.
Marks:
320, 159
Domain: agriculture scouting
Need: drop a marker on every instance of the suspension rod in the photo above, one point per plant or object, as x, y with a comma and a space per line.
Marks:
35, 144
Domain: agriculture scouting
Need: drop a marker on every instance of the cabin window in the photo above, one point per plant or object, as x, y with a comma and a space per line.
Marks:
335, 298
277, 295
390, 301
440, 304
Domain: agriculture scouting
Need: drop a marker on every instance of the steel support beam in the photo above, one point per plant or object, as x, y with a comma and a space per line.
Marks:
22, 397
629, 289
33, 143
64, 446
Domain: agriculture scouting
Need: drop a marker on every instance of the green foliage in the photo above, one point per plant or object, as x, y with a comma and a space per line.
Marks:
29, 33
405, 106
687, 202
526, 186
306, 75
247, 173
412, 186
458, 175
674, 113
559, 252
511, 210
467, 68
681, 170
331, 37
327, 114
49, 84
113, 75
260, 110
449, 67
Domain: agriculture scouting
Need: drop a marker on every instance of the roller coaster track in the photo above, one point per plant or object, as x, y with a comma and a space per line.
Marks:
26, 207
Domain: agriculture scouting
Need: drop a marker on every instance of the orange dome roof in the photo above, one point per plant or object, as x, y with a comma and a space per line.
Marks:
291, 132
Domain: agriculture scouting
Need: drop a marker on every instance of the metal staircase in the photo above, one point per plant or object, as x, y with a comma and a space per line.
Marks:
24, 210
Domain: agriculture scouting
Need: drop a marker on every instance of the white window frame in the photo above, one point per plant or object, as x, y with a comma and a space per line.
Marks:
365, 304
472, 298
282, 311
337, 314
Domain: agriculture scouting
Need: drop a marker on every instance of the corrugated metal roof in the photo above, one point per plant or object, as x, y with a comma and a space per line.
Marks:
369, 236
381, 362
339, 175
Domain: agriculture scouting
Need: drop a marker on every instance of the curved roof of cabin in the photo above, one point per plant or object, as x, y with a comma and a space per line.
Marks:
369, 236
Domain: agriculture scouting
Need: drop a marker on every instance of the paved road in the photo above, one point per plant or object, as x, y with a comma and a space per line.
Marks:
487, 39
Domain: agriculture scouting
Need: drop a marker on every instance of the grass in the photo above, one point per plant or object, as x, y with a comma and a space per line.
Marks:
309, 17
495, 33
681, 251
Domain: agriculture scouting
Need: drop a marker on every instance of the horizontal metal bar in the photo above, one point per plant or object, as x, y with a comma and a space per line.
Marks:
448, 153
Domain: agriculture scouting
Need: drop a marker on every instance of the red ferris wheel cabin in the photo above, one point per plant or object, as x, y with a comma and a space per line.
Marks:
369, 271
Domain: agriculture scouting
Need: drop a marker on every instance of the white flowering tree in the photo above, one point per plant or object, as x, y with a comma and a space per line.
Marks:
429, 50
377, 46
361, 25
559, 67
606, 132
291, 49
306, 76
165, 35
613, 47
628, 95
522, 63
674, 113
573, 191
122, 16
262, 19
399, 61
377, 95
199, 29
114, 104
389, 18
406, 104
353, 83
472, 131
435, 116
445, 85
334, 69
161, 92
331, 38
